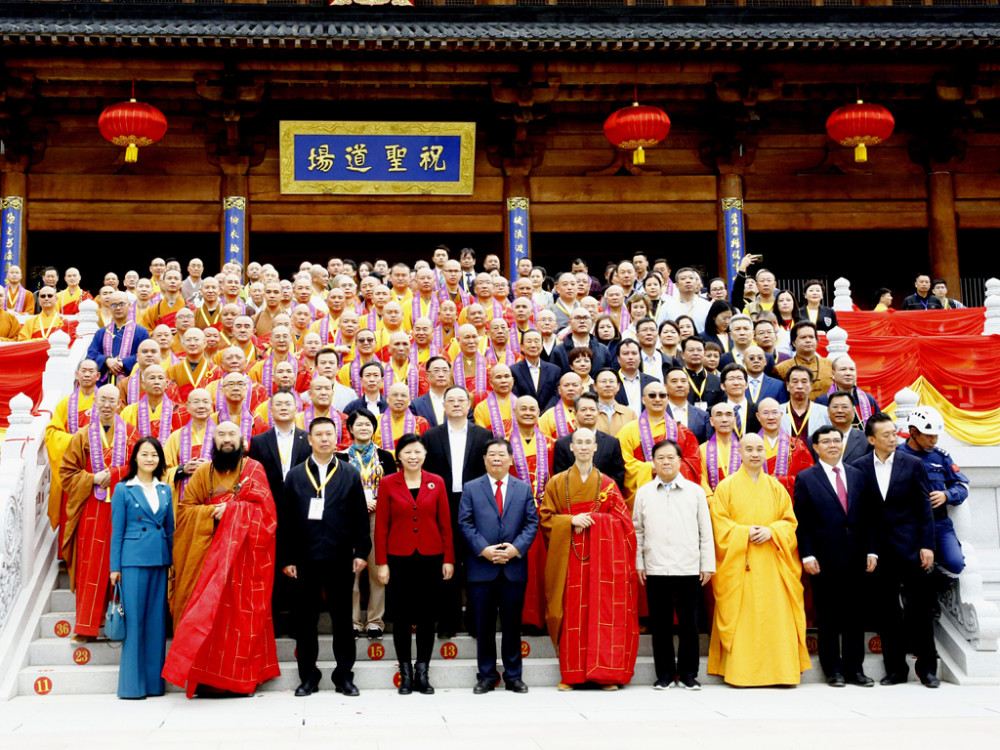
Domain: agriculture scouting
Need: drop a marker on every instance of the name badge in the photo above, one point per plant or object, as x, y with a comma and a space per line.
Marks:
315, 509
368, 494
703, 405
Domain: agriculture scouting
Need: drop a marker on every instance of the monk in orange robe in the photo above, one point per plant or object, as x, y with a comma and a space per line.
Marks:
590, 577
95, 460
194, 371
224, 573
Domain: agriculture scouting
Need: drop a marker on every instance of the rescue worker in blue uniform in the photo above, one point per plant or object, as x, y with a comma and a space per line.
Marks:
949, 486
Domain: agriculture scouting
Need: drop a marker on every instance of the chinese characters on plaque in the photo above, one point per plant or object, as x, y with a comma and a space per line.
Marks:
377, 157
732, 212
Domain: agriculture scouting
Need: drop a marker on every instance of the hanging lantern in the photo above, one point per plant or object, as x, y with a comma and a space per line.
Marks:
132, 124
636, 128
859, 126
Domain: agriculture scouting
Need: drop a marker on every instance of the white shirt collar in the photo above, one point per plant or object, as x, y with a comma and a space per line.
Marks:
463, 431
134, 482
887, 462
503, 483
668, 485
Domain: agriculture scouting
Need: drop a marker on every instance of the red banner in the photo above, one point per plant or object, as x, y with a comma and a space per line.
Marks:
967, 322
22, 366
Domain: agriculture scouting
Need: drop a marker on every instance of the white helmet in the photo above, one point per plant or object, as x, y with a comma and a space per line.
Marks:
927, 420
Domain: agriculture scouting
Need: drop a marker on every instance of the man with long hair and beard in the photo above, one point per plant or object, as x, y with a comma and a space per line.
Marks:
224, 572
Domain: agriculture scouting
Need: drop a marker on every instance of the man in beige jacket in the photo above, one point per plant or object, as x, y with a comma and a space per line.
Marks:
675, 557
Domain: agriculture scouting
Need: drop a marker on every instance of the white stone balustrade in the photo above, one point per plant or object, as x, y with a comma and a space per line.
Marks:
836, 343
992, 322
842, 301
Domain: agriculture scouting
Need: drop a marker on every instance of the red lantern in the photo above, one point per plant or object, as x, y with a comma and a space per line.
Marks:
637, 127
132, 124
859, 126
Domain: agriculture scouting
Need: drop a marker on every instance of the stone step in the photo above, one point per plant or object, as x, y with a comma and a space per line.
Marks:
62, 600
454, 674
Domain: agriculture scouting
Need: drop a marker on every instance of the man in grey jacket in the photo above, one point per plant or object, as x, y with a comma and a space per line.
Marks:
675, 557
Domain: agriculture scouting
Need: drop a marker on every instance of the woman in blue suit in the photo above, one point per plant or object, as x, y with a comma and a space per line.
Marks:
142, 530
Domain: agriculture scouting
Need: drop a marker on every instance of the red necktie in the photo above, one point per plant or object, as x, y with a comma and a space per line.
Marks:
499, 496
841, 488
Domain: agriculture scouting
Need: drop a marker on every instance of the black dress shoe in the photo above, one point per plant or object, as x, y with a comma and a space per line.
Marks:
837, 680
861, 679
306, 688
930, 680
893, 679
516, 686
445, 634
374, 634
347, 688
483, 686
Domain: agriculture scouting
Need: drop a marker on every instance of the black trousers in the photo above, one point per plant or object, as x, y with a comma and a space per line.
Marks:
892, 579
839, 612
486, 600
451, 618
335, 580
666, 595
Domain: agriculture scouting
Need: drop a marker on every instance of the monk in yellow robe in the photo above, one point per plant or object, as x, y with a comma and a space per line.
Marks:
495, 412
759, 628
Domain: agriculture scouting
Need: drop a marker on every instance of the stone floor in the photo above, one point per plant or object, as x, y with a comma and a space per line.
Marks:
808, 717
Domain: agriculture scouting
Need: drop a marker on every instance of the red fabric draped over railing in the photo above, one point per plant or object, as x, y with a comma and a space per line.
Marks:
21, 366
967, 322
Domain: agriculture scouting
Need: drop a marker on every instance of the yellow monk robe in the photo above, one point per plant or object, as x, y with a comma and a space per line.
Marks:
10, 326
547, 422
639, 471
185, 379
41, 326
256, 372
419, 426
533, 612
172, 455
58, 433
403, 299
454, 349
723, 450
249, 351
161, 312
481, 415
759, 629
344, 373
488, 306
130, 415
68, 303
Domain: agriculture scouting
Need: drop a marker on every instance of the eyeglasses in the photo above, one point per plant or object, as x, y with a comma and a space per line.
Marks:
366, 341
656, 395
49, 296
114, 304
832, 441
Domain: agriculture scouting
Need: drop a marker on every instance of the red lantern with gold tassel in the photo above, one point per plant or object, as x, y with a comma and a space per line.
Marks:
132, 124
860, 125
636, 128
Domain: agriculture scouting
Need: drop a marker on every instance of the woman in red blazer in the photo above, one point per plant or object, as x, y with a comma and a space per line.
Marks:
413, 541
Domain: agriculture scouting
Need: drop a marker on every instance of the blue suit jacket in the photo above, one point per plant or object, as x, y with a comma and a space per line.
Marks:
548, 382
96, 349
140, 537
698, 422
770, 388
482, 526
422, 407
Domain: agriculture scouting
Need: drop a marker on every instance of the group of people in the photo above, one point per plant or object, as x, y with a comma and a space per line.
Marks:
440, 449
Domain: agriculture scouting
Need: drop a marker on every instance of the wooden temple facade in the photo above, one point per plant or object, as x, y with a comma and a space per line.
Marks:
748, 90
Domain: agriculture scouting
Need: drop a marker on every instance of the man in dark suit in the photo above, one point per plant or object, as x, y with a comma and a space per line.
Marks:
533, 376
325, 542
608, 457
845, 378
633, 379
278, 450
455, 452
835, 510
734, 384
371, 398
430, 406
904, 541
759, 385
499, 522
840, 408
683, 412
580, 336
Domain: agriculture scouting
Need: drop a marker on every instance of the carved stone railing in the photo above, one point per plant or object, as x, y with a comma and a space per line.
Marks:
27, 542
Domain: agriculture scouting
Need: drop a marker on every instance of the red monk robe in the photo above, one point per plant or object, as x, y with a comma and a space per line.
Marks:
534, 596
590, 579
225, 574
639, 468
58, 434
87, 531
799, 458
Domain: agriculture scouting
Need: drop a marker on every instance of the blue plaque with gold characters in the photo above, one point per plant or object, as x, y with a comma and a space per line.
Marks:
377, 158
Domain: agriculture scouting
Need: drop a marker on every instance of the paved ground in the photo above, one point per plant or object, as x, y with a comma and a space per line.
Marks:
810, 717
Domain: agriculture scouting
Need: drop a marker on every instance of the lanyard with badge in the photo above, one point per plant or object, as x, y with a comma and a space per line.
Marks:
316, 503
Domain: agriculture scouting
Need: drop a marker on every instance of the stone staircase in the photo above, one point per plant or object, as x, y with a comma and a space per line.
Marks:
59, 667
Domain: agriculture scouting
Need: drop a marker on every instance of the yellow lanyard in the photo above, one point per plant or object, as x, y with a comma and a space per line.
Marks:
41, 326
316, 485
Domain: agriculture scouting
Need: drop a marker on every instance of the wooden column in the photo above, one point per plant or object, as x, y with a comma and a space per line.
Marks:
943, 230
235, 182
14, 182
516, 184
730, 185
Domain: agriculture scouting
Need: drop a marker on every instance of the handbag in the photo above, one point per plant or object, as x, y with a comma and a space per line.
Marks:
114, 618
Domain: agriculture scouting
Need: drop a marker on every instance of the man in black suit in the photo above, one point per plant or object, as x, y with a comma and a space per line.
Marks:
608, 457
633, 379
904, 541
734, 384
533, 376
580, 336
278, 450
706, 389
840, 408
325, 542
681, 409
372, 381
455, 452
430, 406
835, 510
